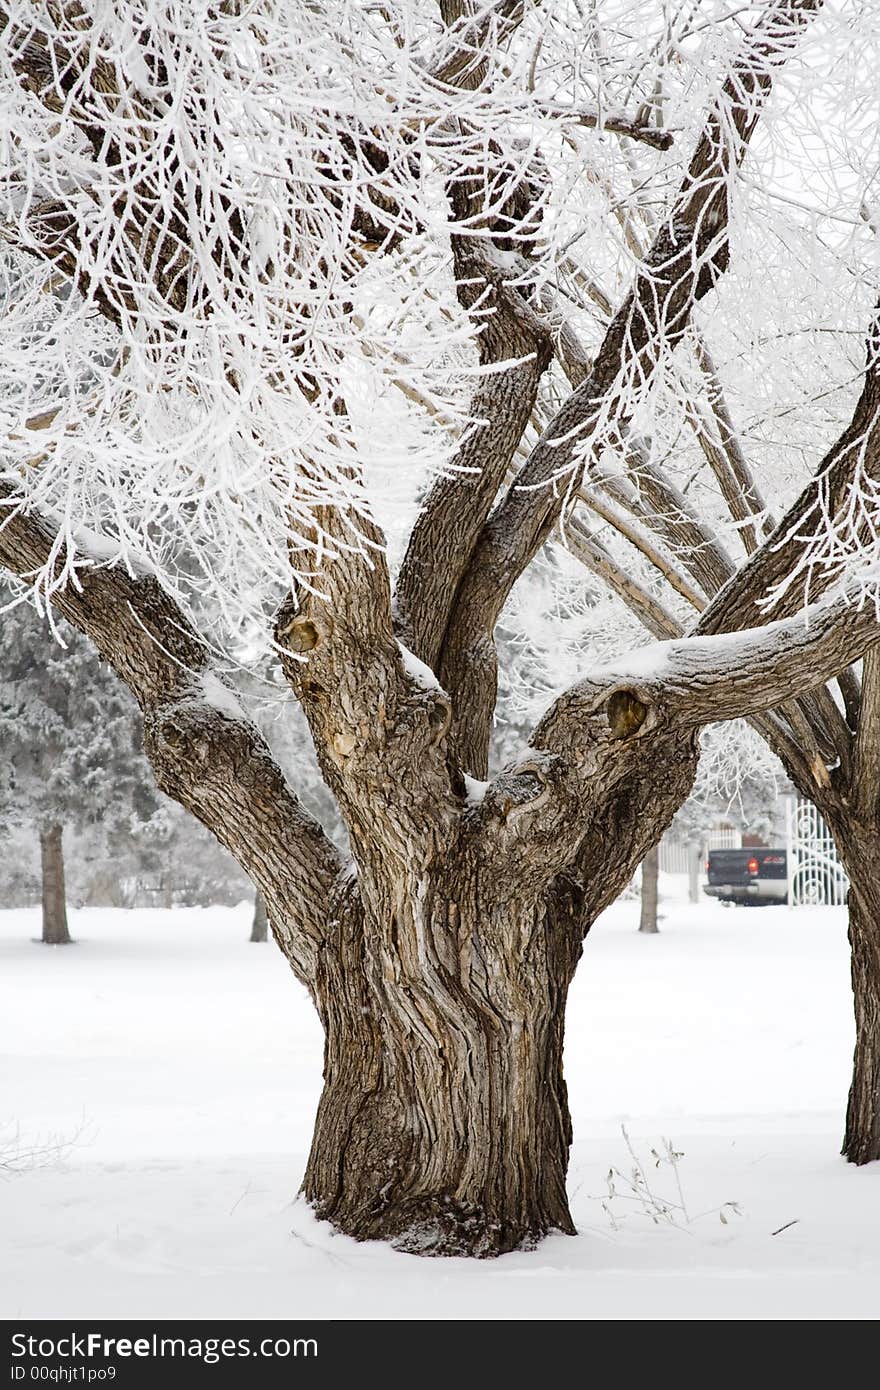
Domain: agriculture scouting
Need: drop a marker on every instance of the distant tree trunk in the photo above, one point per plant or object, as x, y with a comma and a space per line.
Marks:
650, 874
105, 889
55, 932
260, 925
167, 888
694, 856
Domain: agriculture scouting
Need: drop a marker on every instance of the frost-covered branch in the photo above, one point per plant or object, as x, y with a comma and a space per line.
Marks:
204, 750
689, 254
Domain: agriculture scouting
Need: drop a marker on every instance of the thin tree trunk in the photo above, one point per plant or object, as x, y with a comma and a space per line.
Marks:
650, 875
694, 858
260, 924
861, 1142
55, 931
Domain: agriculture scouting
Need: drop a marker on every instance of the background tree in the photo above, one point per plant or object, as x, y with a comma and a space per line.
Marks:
260, 924
264, 265
649, 891
69, 735
74, 767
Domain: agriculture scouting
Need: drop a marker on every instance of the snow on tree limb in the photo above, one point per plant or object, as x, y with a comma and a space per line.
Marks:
699, 680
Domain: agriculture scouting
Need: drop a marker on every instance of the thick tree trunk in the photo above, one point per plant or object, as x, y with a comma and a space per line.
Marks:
260, 924
650, 876
55, 931
861, 857
443, 1126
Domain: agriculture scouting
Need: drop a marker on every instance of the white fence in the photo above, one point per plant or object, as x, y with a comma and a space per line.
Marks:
815, 874
675, 850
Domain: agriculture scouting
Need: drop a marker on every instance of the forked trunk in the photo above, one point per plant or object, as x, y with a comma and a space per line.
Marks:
55, 930
444, 1126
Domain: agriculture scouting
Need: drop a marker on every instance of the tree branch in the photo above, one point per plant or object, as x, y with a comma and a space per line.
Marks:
826, 497
457, 505
594, 557
205, 754
633, 533
700, 680
865, 783
684, 263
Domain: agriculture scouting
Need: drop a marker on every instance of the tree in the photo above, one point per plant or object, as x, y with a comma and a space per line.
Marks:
231, 239
650, 877
69, 734
260, 925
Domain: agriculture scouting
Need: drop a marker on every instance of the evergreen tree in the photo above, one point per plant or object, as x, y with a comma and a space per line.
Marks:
69, 731
71, 740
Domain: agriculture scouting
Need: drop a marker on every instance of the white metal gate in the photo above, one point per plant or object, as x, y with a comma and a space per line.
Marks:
815, 874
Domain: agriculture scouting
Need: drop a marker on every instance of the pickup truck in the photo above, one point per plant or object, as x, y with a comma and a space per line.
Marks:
747, 875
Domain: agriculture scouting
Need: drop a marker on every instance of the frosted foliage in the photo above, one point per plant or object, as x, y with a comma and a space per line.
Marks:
225, 277
69, 729
738, 778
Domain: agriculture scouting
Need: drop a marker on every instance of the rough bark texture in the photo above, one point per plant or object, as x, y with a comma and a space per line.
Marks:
861, 1142
55, 929
444, 1125
440, 957
650, 875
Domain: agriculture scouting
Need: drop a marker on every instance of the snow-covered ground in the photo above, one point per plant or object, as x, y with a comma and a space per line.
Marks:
179, 1066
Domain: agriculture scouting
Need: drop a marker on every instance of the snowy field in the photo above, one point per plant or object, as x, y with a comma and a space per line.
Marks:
179, 1066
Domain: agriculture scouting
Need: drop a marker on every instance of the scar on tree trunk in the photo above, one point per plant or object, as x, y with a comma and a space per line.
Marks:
55, 931
260, 924
650, 876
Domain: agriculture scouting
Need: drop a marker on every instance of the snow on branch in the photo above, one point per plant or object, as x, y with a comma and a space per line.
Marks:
230, 301
693, 681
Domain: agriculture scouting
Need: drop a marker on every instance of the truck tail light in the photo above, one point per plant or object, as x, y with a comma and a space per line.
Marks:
753, 866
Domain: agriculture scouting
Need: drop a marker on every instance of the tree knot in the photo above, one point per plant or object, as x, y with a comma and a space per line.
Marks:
626, 713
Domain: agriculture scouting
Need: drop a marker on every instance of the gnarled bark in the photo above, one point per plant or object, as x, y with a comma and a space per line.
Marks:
861, 1143
444, 1126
